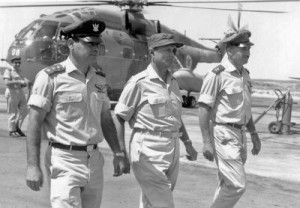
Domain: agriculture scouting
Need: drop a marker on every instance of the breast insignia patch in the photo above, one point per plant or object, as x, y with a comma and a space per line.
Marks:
101, 88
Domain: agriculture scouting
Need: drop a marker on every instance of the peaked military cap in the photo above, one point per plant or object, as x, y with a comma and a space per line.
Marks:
162, 39
238, 38
15, 59
88, 30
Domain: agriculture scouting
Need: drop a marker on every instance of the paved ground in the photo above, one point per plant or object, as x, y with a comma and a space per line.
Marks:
273, 176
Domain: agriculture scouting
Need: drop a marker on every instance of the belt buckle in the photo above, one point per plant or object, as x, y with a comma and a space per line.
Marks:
89, 147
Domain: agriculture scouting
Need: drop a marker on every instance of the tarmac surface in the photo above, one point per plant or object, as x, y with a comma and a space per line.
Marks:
273, 176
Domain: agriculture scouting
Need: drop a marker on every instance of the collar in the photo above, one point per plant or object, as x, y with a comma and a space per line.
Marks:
153, 74
69, 66
228, 65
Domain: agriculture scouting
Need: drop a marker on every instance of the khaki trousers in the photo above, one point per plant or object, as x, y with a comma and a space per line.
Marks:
16, 108
230, 154
155, 164
75, 178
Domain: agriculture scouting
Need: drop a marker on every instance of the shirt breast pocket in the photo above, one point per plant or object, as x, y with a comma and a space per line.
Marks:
158, 106
235, 96
70, 105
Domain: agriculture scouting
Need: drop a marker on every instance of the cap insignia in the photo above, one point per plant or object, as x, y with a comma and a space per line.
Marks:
96, 27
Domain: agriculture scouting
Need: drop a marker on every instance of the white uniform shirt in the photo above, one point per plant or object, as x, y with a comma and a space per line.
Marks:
228, 93
73, 104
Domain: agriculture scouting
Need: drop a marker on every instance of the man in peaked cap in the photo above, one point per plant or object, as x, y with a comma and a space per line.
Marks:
224, 115
151, 103
16, 100
69, 102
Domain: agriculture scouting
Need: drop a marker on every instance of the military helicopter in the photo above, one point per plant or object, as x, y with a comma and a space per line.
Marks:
124, 52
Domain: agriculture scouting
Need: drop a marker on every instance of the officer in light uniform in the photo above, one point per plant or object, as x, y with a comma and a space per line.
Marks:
224, 113
69, 103
151, 102
15, 96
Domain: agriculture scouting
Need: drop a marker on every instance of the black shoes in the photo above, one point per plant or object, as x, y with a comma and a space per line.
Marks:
13, 134
20, 132
17, 133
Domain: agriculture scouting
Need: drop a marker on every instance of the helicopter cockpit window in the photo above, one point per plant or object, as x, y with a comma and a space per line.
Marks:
47, 30
43, 46
28, 32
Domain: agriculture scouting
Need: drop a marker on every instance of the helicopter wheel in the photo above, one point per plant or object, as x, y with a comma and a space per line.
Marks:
184, 101
275, 127
191, 102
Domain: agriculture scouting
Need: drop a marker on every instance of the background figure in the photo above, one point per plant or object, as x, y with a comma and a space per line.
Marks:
224, 112
151, 102
69, 103
15, 96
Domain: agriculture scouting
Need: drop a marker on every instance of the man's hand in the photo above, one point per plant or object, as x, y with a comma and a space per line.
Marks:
34, 178
192, 153
208, 151
121, 165
256, 144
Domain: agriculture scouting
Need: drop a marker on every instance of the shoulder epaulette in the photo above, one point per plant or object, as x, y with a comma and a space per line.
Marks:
218, 69
247, 70
56, 68
139, 76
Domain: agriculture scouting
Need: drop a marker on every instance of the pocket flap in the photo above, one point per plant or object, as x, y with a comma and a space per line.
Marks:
156, 100
70, 97
233, 90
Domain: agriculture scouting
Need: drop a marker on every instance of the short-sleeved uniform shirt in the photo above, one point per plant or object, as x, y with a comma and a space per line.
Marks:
228, 93
73, 104
147, 102
13, 75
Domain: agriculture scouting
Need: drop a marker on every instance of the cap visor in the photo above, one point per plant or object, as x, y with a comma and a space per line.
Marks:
245, 44
91, 39
168, 44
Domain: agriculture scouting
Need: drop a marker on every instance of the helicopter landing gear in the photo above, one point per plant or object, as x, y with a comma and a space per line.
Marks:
275, 127
189, 101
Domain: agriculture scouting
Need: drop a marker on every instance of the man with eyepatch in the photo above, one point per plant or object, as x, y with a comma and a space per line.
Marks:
69, 104
151, 102
224, 114
16, 100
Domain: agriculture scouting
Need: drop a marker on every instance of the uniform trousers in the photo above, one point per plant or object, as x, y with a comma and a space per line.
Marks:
75, 178
16, 108
230, 154
155, 164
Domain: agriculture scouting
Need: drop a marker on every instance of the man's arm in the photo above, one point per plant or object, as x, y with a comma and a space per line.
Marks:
34, 176
110, 135
254, 137
192, 153
10, 83
204, 111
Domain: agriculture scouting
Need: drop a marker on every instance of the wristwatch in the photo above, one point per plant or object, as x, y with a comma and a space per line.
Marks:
119, 154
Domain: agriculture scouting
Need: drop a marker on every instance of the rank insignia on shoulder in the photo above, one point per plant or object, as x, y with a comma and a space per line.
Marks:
54, 69
218, 69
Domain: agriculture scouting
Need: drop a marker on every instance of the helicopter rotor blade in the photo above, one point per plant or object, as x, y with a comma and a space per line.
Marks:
222, 9
51, 3
226, 2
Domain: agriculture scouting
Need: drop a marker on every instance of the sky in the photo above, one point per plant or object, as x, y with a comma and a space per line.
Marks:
275, 54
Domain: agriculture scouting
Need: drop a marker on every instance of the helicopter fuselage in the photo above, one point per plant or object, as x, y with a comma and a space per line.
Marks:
123, 54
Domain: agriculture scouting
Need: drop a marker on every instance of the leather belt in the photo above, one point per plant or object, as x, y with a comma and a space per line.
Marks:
234, 125
73, 147
170, 134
